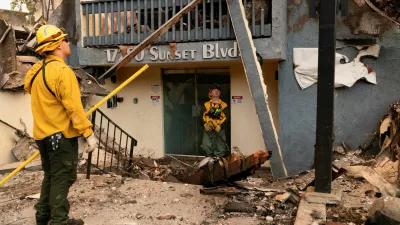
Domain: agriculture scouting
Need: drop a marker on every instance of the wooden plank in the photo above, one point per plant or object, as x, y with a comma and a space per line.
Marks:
310, 213
161, 30
385, 167
373, 178
323, 198
258, 89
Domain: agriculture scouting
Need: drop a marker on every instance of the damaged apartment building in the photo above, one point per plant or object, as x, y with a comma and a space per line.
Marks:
158, 113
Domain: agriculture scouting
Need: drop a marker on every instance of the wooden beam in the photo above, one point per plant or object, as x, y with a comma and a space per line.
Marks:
258, 89
161, 30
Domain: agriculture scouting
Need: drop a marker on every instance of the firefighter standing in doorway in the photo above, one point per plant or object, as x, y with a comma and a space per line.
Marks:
214, 121
59, 119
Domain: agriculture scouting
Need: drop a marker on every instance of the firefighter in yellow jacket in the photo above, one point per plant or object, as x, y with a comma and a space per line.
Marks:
214, 121
59, 119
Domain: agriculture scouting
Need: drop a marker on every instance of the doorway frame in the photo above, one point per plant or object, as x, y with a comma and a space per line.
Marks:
196, 70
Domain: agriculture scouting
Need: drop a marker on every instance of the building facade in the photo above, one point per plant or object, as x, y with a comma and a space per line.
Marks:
159, 108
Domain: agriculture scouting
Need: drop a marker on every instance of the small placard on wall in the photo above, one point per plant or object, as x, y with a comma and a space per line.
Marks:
155, 88
237, 99
155, 99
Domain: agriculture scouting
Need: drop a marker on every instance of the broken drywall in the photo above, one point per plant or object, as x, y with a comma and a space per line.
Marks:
346, 73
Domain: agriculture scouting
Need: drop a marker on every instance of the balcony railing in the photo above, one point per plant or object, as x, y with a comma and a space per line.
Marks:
128, 22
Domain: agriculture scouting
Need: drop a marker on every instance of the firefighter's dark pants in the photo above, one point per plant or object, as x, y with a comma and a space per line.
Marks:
214, 144
59, 168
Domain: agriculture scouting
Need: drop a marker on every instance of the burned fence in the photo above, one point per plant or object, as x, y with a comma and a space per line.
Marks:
127, 22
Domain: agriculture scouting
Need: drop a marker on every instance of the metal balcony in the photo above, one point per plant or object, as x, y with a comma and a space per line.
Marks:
128, 22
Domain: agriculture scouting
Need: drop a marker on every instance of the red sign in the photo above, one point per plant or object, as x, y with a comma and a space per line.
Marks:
155, 99
237, 97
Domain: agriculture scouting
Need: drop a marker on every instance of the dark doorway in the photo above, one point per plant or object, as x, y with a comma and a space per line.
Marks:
185, 91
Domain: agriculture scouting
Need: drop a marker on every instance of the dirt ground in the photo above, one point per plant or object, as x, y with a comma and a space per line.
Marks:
112, 199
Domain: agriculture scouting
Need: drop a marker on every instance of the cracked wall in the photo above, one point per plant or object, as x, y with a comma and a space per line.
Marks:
358, 109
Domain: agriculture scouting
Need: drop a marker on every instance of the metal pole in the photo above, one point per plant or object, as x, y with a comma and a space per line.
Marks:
325, 96
131, 155
89, 161
196, 96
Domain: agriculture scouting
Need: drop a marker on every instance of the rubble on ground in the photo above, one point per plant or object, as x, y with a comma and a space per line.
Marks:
254, 199
364, 188
110, 199
384, 211
172, 169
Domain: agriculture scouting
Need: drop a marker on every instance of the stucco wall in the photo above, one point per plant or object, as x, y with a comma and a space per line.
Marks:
144, 121
357, 109
14, 106
246, 130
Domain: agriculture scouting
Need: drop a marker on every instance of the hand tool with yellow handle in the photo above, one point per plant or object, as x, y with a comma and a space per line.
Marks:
87, 114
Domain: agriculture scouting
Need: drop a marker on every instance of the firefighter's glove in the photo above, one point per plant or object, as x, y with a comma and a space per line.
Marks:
207, 127
91, 143
218, 128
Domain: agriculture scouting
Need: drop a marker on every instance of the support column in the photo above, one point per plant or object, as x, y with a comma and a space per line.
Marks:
325, 96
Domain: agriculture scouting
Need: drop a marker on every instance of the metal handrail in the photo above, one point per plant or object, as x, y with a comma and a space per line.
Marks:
129, 140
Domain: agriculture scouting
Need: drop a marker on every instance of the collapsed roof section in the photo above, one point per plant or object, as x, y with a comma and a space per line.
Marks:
14, 65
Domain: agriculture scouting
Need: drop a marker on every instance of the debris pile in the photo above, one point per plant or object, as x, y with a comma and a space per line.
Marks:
24, 148
191, 171
251, 197
391, 8
18, 57
358, 190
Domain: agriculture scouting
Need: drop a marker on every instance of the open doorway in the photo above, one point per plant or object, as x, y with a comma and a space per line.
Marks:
185, 91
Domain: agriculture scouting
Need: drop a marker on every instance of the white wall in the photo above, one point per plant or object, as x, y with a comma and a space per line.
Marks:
14, 106
246, 130
143, 121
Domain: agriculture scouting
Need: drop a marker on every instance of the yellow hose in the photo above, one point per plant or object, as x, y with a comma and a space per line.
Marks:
117, 89
20, 167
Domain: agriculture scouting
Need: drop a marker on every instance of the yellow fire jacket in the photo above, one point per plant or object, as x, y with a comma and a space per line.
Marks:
61, 112
220, 109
